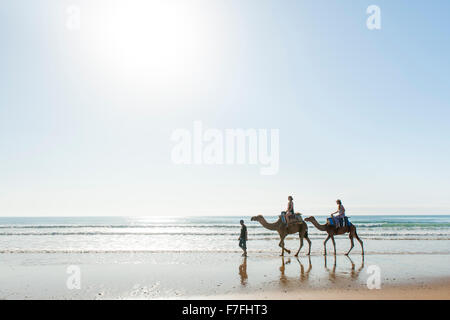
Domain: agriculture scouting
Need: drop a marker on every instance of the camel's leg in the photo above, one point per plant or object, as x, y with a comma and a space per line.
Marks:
309, 243
351, 243
281, 244
360, 242
334, 244
301, 245
325, 245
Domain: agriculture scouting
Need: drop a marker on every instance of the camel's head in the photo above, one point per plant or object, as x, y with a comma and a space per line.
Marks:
256, 218
309, 219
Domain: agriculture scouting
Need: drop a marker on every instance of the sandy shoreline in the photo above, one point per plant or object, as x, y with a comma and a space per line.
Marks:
435, 290
206, 275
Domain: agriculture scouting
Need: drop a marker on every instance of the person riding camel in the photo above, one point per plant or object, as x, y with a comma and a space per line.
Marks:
288, 215
341, 214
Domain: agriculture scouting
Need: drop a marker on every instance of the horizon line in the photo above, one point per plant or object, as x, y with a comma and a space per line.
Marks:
188, 216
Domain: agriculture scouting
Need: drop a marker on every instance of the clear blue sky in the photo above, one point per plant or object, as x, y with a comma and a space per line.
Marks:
86, 115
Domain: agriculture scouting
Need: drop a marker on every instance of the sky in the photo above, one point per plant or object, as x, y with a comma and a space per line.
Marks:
87, 110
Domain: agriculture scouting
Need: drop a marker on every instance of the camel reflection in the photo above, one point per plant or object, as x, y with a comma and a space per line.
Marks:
331, 272
345, 271
283, 278
304, 275
290, 278
354, 273
243, 272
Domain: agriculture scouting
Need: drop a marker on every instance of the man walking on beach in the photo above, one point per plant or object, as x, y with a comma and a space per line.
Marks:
243, 238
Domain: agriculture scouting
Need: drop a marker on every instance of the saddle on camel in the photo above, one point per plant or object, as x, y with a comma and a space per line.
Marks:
291, 218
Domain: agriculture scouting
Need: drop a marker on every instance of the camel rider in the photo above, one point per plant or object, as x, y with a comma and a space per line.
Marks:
340, 214
289, 213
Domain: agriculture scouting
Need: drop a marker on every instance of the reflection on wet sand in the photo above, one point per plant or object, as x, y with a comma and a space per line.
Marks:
346, 270
243, 272
283, 278
304, 275
332, 272
333, 275
354, 274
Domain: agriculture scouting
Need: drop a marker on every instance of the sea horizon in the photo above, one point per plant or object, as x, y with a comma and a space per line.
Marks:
221, 215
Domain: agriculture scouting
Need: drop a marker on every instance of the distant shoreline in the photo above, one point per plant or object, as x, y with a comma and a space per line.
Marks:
224, 215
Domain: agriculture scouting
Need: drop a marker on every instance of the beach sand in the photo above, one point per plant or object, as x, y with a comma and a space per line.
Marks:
434, 290
227, 275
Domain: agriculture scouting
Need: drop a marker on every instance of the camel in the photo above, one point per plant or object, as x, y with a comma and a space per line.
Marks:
332, 231
292, 228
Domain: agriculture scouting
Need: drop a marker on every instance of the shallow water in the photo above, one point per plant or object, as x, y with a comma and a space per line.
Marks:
425, 234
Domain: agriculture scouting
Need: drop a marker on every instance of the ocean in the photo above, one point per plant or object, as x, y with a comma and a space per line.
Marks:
383, 234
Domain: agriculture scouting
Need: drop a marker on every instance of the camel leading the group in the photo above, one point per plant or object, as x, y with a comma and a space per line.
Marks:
332, 231
292, 228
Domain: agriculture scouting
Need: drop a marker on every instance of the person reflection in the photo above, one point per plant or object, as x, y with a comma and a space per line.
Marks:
243, 272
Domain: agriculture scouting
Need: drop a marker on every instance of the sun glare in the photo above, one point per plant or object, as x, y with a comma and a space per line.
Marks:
155, 41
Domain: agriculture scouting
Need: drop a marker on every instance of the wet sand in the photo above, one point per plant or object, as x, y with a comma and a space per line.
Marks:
435, 291
214, 275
